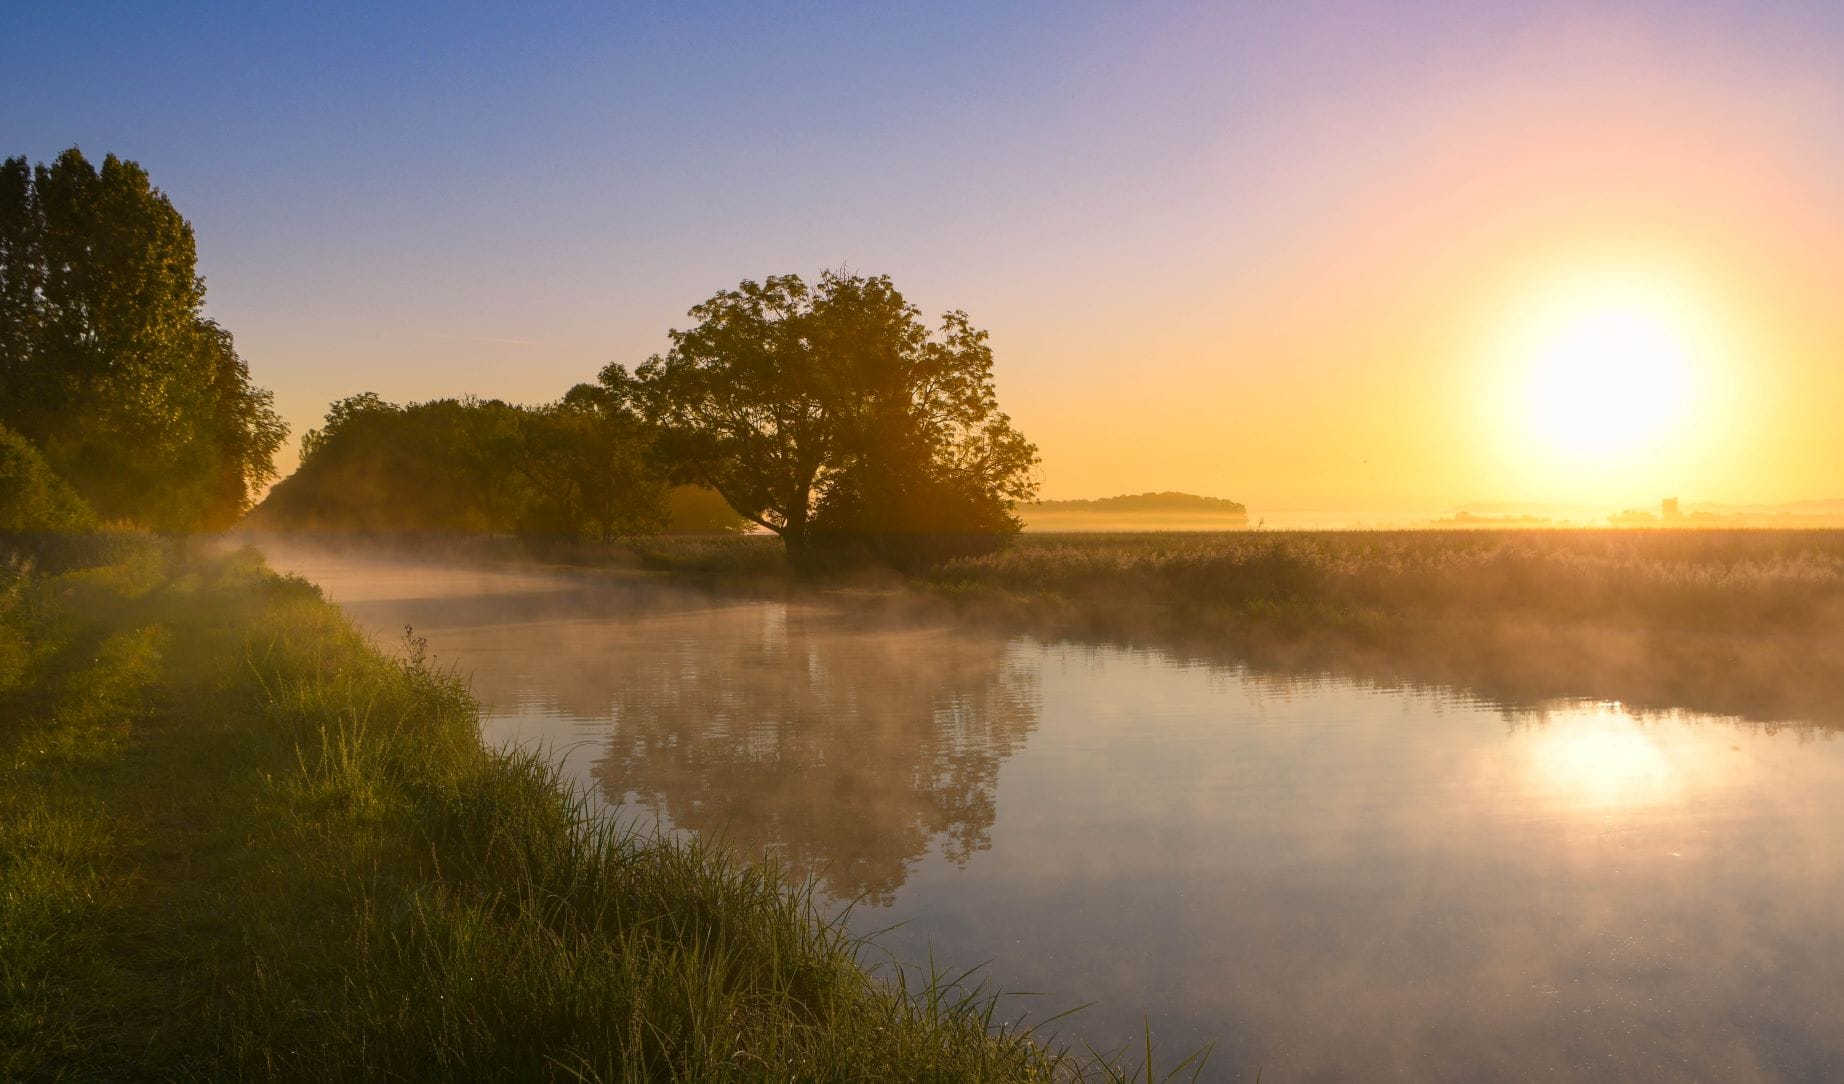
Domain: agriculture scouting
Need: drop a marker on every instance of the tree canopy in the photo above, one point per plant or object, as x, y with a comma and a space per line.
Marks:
578, 467
834, 413
107, 362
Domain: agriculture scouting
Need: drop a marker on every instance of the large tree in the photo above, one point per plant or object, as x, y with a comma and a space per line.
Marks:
834, 411
107, 362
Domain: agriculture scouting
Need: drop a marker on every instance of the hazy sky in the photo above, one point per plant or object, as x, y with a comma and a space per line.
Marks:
1295, 254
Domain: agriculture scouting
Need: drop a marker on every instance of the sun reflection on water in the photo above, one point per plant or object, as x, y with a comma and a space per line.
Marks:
1600, 757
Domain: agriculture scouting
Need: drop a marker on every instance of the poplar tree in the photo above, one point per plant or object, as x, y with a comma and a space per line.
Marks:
107, 362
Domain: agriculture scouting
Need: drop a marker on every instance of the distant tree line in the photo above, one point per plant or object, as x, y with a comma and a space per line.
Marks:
1168, 501
830, 414
108, 365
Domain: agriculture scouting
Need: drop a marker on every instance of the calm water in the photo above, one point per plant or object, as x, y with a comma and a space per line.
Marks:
1331, 881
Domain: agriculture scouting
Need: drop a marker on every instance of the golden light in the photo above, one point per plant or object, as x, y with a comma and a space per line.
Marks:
1599, 758
1608, 366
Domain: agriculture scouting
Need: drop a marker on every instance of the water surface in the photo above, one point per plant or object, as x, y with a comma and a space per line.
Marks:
1329, 880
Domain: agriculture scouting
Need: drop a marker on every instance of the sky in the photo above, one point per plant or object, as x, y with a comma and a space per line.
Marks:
1369, 260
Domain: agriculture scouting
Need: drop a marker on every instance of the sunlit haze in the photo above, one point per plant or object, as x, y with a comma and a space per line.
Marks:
1361, 260
1613, 374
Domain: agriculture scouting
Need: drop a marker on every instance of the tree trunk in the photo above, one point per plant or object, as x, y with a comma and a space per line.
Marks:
796, 542
794, 533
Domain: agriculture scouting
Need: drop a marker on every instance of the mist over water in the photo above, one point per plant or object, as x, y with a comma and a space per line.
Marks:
1330, 880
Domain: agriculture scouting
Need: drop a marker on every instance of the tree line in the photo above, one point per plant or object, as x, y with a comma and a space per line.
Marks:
828, 413
570, 469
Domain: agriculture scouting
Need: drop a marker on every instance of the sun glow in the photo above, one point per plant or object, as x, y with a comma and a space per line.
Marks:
1600, 758
1608, 367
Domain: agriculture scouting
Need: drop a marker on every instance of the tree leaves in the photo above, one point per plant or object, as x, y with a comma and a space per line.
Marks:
796, 402
107, 362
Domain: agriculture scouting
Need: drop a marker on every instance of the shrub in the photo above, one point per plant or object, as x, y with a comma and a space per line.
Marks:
33, 499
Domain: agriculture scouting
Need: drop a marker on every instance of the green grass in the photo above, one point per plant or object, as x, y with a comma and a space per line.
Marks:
236, 840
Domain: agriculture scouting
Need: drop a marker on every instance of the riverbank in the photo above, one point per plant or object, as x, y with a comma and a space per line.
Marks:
235, 839
1744, 623
1747, 623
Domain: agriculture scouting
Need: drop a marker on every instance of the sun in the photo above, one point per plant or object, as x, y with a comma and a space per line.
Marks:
1607, 366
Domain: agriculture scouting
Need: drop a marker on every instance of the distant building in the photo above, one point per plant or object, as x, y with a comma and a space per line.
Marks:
1668, 509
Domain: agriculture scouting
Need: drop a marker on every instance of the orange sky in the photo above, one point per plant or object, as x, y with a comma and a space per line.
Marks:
1286, 254
1363, 366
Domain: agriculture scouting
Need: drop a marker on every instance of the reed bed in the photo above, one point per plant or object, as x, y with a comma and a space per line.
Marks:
1757, 581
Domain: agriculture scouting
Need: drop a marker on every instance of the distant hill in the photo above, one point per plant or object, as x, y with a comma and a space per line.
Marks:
1139, 511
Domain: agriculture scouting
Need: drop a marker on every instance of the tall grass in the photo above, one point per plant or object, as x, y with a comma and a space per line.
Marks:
1744, 622
1772, 581
237, 840
728, 556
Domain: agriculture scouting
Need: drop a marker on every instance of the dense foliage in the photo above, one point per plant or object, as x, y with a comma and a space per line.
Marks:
575, 468
107, 362
33, 499
833, 415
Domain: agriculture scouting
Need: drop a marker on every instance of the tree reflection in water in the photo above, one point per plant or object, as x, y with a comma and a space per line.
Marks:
847, 748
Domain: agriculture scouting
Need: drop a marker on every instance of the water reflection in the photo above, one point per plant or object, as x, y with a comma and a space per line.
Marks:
1596, 758
849, 749
1334, 880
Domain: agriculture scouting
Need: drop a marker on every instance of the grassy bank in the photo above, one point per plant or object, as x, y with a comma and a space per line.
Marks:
1747, 623
236, 840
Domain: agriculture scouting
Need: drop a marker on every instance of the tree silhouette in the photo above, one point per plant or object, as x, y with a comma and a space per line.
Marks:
590, 446
834, 412
571, 468
107, 363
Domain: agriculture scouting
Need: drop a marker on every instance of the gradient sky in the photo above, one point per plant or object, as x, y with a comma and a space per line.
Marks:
1273, 252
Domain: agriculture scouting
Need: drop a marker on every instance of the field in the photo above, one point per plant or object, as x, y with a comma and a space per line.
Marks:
237, 840
1760, 581
1747, 623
